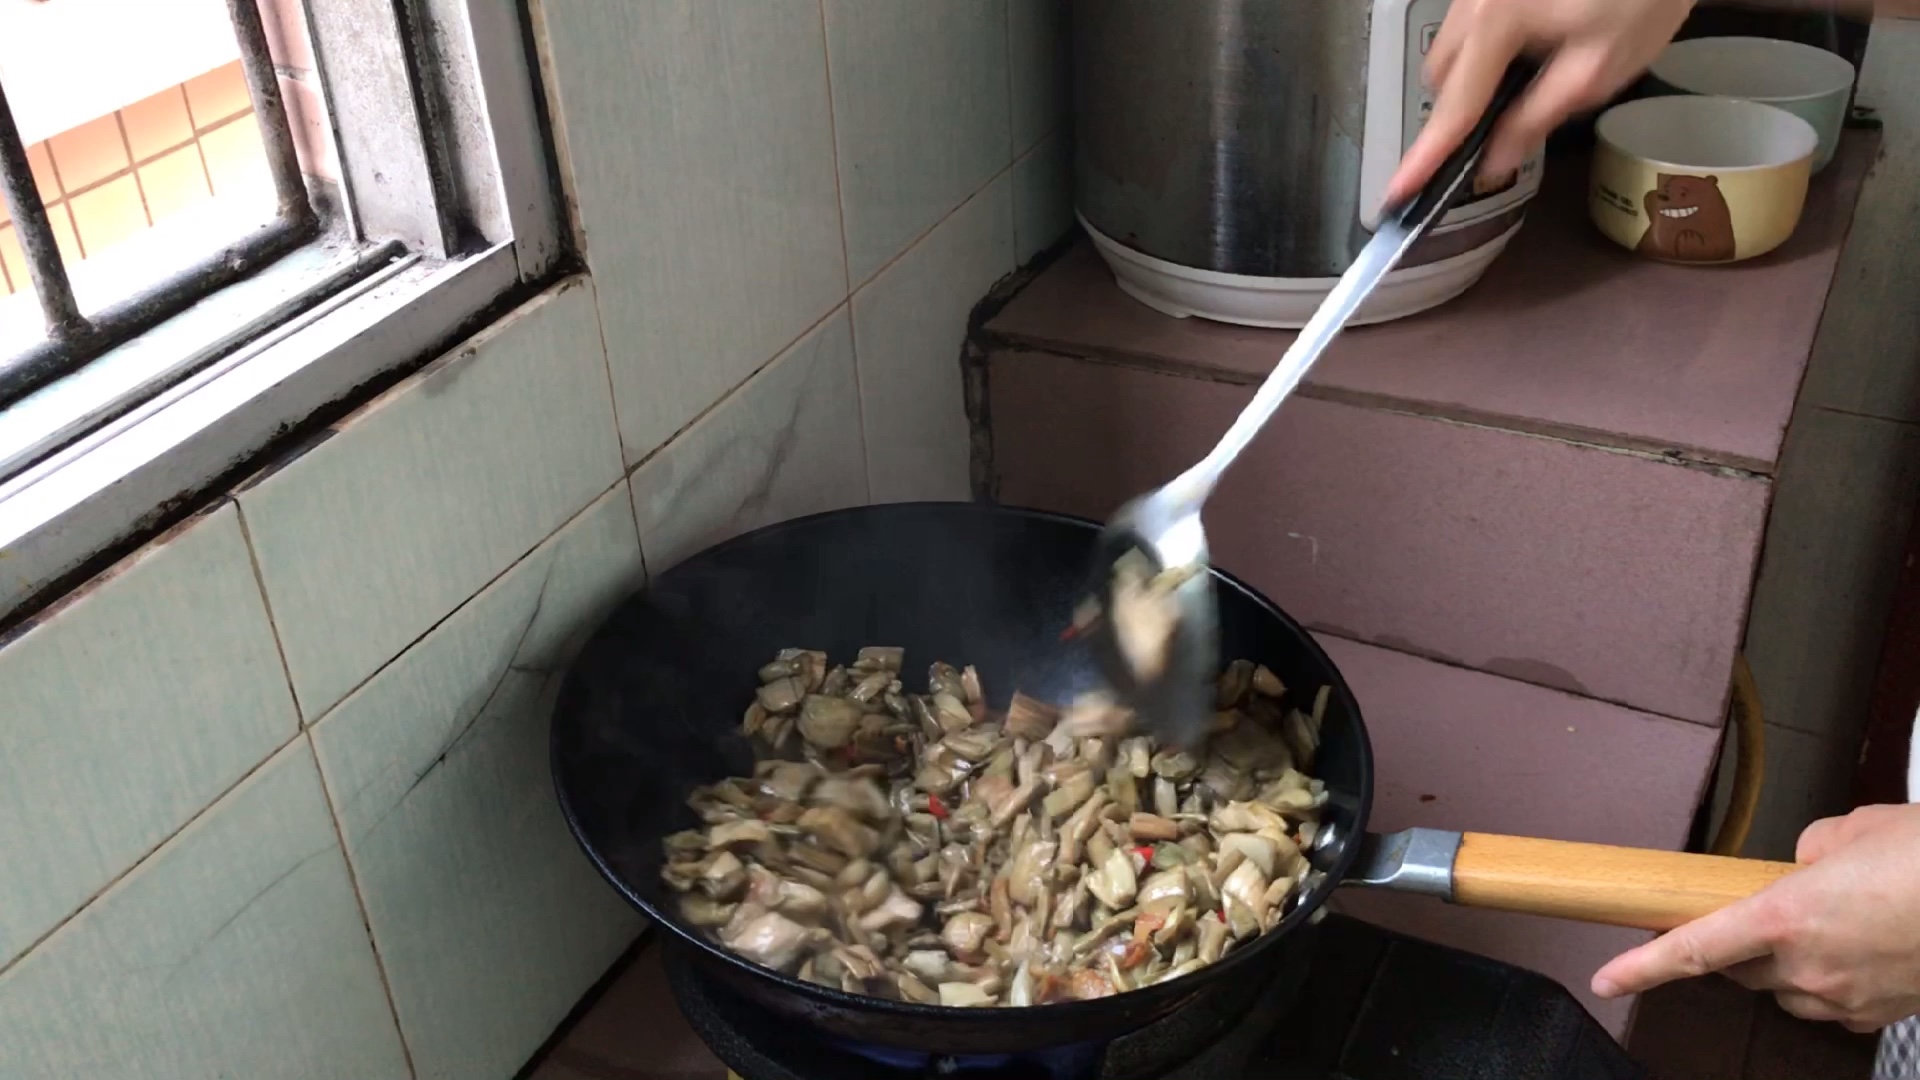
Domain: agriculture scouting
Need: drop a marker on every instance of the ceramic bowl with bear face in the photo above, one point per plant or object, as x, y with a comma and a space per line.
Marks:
1689, 179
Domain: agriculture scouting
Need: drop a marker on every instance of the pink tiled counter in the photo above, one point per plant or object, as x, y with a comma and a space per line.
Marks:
1566, 335
1561, 477
1458, 749
1616, 576
1526, 524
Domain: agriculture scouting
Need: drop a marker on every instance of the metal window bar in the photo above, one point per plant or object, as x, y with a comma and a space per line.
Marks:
73, 339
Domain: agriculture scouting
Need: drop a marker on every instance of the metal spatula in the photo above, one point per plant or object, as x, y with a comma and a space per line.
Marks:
1168, 677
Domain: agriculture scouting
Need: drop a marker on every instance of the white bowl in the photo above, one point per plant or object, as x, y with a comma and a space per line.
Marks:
1810, 83
1700, 179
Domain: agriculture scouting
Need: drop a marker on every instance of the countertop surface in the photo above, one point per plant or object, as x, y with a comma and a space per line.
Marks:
1567, 335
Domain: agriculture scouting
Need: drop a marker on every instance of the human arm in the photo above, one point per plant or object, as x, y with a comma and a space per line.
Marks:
1838, 940
1591, 49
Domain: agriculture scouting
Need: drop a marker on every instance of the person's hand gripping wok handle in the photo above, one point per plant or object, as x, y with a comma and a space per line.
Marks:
1592, 49
1836, 940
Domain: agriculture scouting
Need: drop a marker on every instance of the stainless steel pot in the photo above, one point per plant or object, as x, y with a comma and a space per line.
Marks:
1233, 135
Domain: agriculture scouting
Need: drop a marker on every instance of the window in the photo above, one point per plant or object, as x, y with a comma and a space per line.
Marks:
70, 338
223, 217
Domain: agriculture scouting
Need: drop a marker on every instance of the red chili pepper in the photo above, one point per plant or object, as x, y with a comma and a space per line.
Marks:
1220, 915
936, 807
1145, 851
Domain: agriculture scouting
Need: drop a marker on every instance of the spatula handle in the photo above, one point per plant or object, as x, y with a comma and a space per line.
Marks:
1646, 890
1396, 235
1458, 167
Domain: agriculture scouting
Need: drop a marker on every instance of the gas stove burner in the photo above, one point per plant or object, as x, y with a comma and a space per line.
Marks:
1353, 1002
1080, 1062
1068, 1063
1210, 1035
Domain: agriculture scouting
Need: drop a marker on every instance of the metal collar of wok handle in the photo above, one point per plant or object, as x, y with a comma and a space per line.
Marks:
1415, 861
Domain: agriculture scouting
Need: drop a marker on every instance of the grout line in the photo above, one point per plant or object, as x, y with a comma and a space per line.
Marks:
273, 624
146, 856
1013, 157
1004, 170
64, 203
120, 125
833, 138
307, 733
1829, 738
206, 170
1006, 23
1857, 415
470, 598
846, 267
1029, 153
859, 402
845, 303
53, 166
1566, 436
218, 121
225, 121
360, 899
73, 223
619, 437
606, 364
304, 732
1316, 630
1022, 155
65, 206
1581, 438
633, 507
253, 561
1013, 217
138, 164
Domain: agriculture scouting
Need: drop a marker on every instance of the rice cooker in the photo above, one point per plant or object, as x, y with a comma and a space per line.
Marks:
1231, 156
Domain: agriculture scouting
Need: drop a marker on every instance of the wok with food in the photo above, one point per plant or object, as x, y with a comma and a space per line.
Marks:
925, 847
797, 850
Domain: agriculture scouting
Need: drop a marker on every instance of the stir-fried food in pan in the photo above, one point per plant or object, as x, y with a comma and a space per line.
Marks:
1145, 612
923, 847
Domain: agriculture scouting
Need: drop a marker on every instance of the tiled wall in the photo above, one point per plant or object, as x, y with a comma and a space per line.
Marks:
273, 791
821, 183
1849, 478
115, 176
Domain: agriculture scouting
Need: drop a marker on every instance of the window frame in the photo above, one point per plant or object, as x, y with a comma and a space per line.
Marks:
74, 339
441, 99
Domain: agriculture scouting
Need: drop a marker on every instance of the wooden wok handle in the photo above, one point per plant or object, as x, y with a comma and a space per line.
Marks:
1646, 890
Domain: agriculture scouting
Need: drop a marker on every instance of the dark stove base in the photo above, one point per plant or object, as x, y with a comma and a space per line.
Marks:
1366, 1005
741, 1034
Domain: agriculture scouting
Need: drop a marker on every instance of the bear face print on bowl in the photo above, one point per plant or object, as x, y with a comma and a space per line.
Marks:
1700, 179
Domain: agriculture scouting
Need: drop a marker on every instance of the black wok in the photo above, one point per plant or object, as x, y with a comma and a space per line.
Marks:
652, 706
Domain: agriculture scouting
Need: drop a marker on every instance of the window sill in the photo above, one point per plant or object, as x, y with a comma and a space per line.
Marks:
126, 476
42, 423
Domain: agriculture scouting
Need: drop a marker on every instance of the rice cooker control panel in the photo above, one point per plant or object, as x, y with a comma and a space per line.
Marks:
1423, 25
1399, 103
